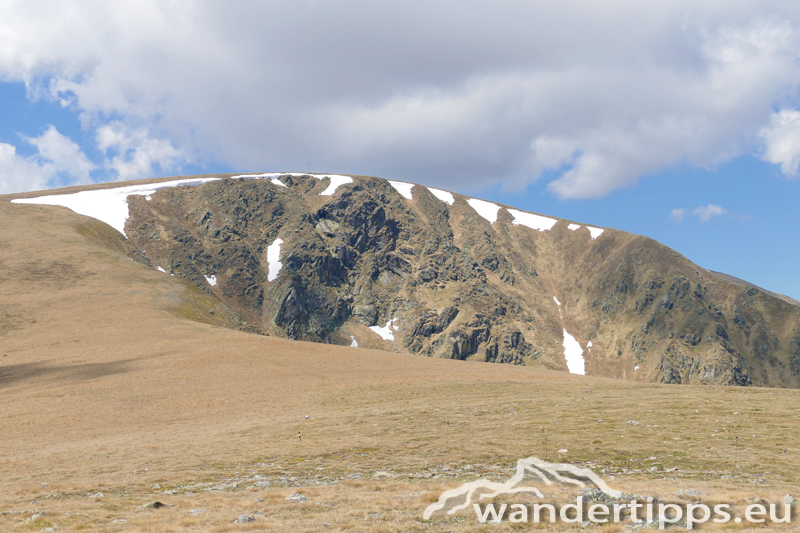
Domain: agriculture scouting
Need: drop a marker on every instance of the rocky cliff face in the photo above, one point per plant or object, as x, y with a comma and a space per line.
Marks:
442, 280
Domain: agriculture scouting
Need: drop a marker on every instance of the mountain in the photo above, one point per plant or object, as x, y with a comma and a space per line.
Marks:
359, 260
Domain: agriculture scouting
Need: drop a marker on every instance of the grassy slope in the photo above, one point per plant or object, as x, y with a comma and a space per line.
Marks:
104, 387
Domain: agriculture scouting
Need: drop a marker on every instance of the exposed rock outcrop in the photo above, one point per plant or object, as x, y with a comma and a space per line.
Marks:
459, 286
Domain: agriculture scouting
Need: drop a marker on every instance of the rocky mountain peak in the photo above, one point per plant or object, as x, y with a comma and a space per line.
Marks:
403, 267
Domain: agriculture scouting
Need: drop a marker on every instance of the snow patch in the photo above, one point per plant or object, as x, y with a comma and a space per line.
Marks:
274, 259
271, 176
589, 346
403, 188
353, 344
487, 210
573, 353
636, 368
107, 205
386, 331
573, 227
595, 232
161, 270
212, 280
336, 179
532, 221
556, 299
444, 196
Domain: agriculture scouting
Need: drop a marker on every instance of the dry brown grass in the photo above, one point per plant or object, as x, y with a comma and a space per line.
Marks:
104, 389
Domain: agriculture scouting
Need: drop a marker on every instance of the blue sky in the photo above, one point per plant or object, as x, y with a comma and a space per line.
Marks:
757, 238
679, 120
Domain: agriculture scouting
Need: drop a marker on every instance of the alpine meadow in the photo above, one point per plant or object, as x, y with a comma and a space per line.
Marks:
406, 266
304, 352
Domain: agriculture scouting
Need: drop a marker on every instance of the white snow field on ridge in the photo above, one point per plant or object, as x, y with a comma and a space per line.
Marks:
107, 205
111, 205
271, 176
532, 221
445, 196
487, 210
403, 188
595, 232
336, 179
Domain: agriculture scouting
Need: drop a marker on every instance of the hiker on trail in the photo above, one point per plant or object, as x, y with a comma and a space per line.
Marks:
298, 436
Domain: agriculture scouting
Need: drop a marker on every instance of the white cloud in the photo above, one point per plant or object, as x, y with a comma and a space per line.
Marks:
21, 173
58, 162
64, 154
137, 155
709, 211
455, 94
782, 141
704, 213
678, 215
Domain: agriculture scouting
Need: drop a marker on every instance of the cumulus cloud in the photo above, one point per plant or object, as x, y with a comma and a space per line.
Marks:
706, 213
136, 155
64, 154
58, 161
21, 173
678, 215
456, 94
782, 141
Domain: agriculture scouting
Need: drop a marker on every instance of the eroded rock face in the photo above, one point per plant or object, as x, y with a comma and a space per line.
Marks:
460, 287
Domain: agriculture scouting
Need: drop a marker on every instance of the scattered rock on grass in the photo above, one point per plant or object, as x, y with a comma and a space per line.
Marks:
155, 505
691, 495
297, 497
789, 500
598, 496
244, 519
